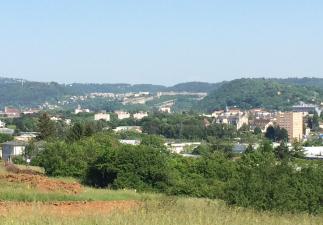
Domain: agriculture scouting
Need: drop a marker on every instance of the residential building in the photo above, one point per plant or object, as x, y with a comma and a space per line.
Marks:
236, 120
314, 152
263, 124
11, 149
26, 137
182, 147
102, 116
30, 111
140, 115
122, 115
12, 112
2, 124
80, 110
293, 123
128, 128
129, 142
166, 109
5, 130
307, 108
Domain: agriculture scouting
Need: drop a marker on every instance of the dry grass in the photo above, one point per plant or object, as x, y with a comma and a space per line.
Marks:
165, 211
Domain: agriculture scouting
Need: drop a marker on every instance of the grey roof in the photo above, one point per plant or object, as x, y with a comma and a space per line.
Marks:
15, 143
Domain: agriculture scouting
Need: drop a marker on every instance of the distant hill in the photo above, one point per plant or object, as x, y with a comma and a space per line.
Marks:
23, 93
306, 81
195, 87
267, 93
244, 93
19, 93
121, 88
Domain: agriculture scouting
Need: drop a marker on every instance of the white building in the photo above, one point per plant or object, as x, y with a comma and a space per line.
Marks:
122, 115
80, 110
166, 109
128, 128
129, 142
140, 115
181, 147
2, 124
11, 149
26, 137
314, 152
102, 116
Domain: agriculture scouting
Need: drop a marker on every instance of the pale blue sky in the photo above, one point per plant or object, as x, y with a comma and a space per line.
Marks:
160, 42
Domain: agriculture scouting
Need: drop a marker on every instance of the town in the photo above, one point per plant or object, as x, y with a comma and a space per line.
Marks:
302, 124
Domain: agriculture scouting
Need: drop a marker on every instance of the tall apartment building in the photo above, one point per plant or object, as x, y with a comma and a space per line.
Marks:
293, 123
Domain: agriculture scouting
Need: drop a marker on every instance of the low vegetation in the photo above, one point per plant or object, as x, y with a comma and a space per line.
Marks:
162, 211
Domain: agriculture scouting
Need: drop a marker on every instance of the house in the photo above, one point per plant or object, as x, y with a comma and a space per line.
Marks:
236, 120
165, 109
31, 111
261, 123
128, 128
80, 110
26, 136
10, 149
182, 147
5, 130
102, 116
122, 115
129, 142
12, 112
140, 115
314, 152
2, 124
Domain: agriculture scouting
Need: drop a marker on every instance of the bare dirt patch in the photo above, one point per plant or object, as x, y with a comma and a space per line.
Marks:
68, 208
43, 183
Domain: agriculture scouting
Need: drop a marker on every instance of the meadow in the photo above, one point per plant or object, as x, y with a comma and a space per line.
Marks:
164, 211
22, 203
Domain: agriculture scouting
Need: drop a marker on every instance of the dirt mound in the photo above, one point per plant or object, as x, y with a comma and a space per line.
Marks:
14, 169
68, 208
43, 183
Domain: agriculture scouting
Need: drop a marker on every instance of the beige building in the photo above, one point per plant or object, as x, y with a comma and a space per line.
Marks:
293, 123
140, 115
102, 116
122, 115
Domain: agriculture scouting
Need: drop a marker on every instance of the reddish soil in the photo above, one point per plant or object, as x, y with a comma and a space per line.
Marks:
68, 208
14, 169
43, 183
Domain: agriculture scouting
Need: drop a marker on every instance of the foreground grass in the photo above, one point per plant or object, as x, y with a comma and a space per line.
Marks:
22, 192
167, 211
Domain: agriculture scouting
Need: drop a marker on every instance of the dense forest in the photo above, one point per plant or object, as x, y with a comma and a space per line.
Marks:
252, 93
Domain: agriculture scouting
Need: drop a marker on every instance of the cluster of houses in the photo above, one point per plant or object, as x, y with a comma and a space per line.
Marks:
103, 115
292, 121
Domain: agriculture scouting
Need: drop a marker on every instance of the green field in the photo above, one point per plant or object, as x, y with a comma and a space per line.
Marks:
153, 209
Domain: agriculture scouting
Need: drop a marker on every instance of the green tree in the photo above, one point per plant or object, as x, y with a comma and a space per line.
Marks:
257, 131
46, 127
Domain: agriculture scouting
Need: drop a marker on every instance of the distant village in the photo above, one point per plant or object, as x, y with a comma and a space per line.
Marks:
293, 121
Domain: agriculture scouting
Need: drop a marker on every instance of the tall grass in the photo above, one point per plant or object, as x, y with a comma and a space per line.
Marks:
167, 211
26, 193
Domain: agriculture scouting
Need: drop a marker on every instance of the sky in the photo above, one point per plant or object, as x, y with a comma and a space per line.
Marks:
160, 42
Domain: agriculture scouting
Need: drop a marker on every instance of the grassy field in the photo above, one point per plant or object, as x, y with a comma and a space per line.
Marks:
29, 208
166, 211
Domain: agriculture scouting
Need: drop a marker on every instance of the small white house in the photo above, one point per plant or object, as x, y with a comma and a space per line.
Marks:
129, 142
181, 147
314, 152
2, 124
128, 128
140, 115
11, 149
